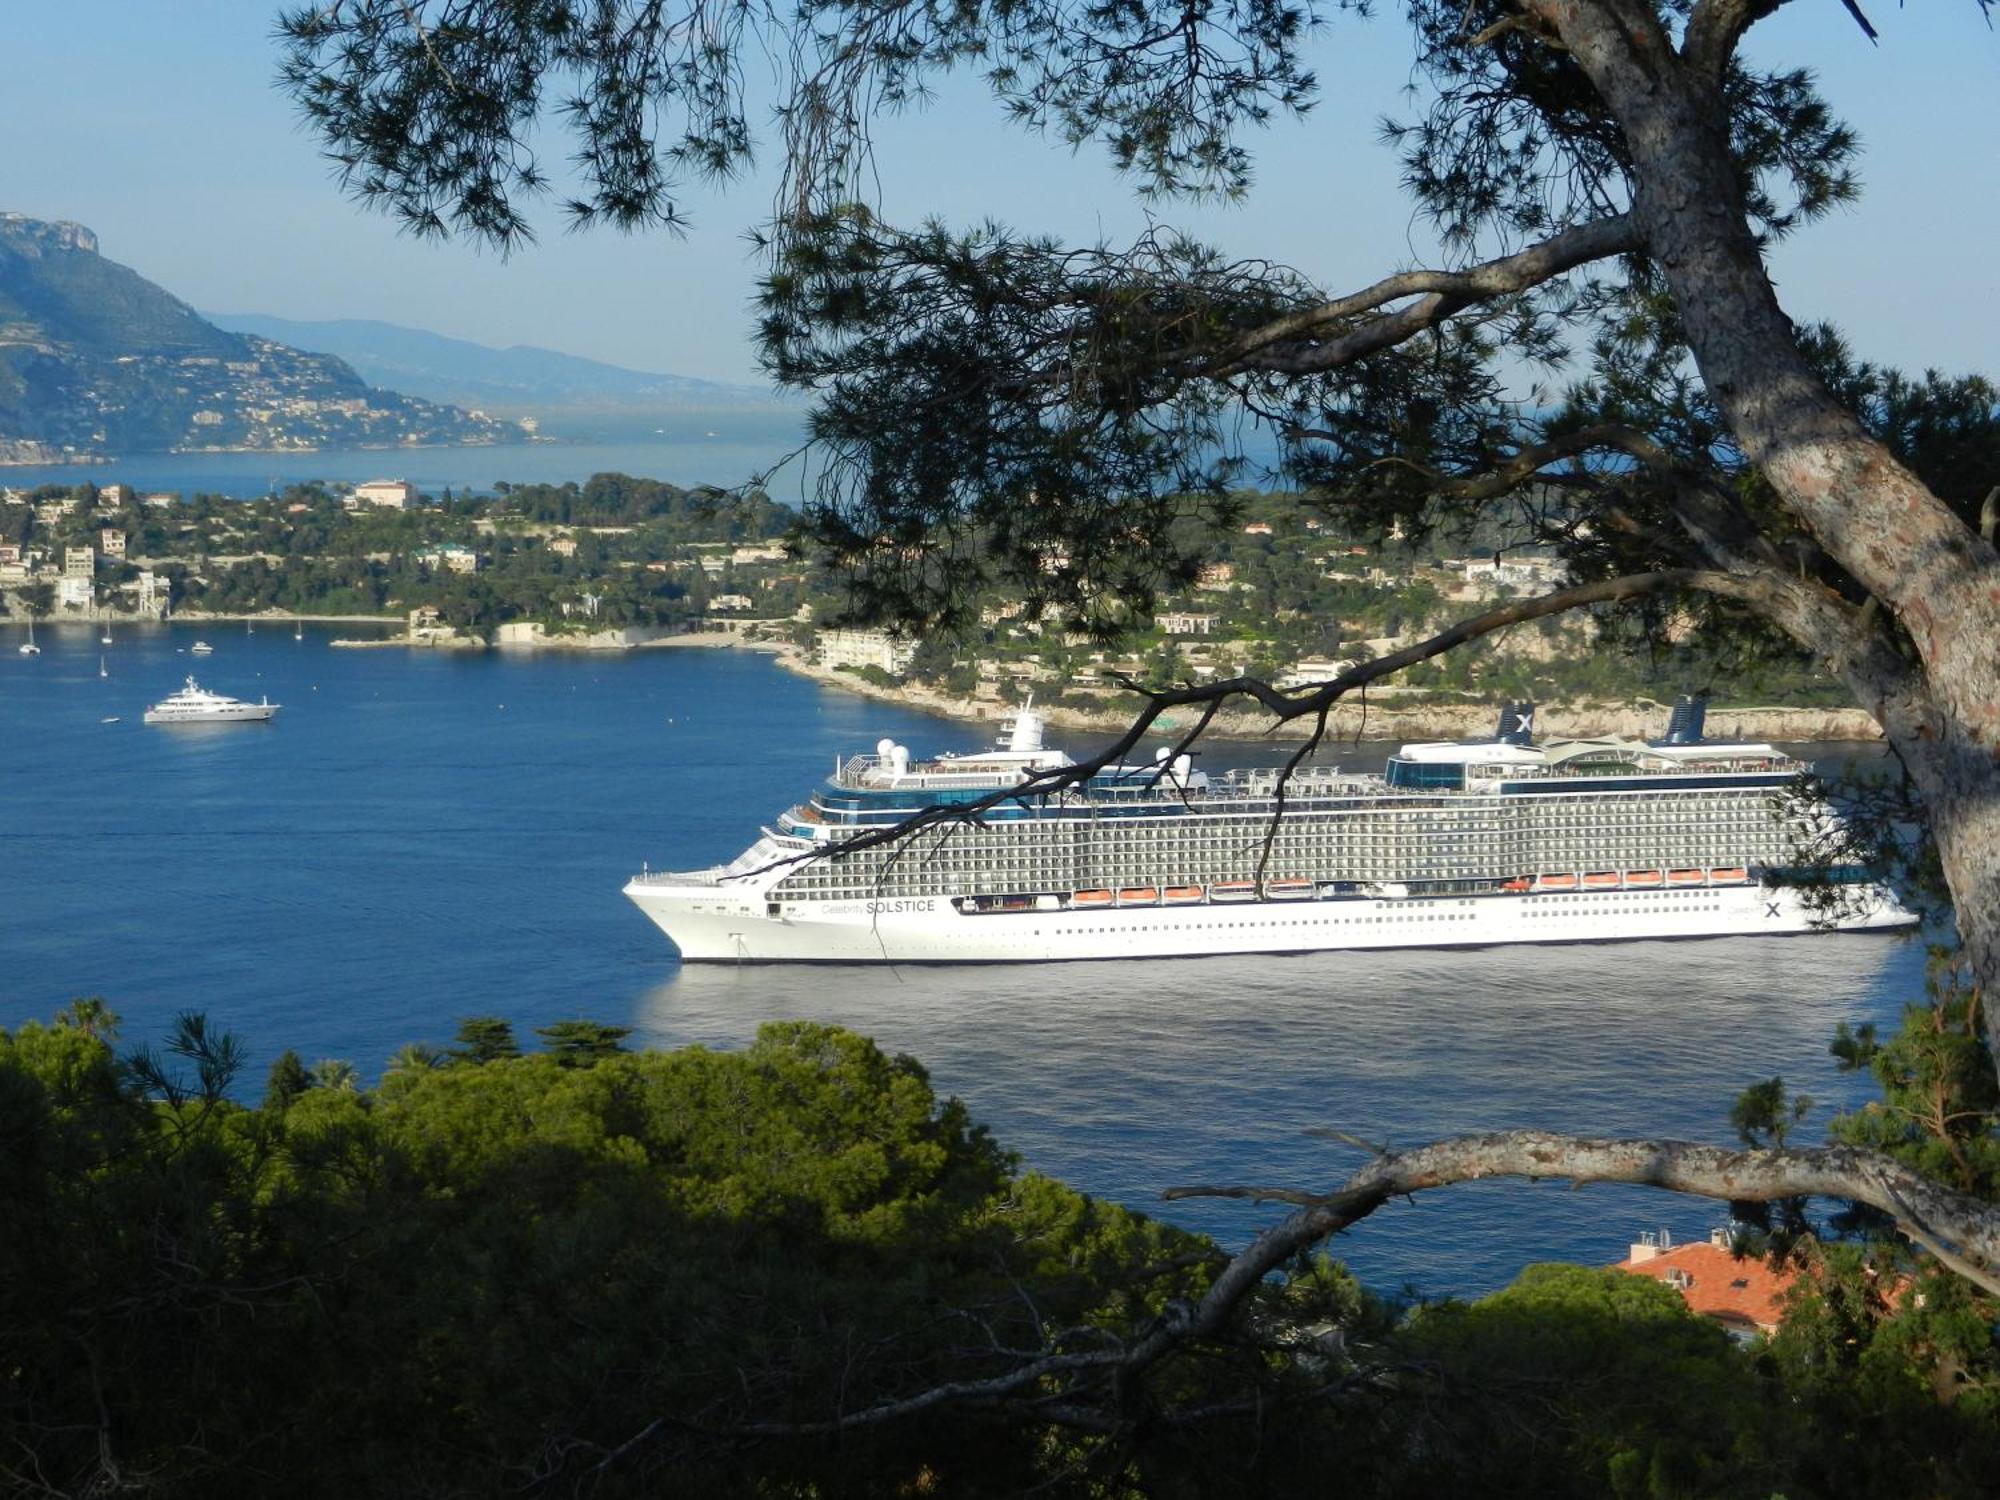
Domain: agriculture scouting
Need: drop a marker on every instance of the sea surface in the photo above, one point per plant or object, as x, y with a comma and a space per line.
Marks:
425, 836
715, 448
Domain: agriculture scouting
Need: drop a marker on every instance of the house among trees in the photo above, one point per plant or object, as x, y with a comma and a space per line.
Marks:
1745, 1295
391, 494
864, 648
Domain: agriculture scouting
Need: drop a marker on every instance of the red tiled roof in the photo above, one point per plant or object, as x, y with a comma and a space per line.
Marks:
1717, 1285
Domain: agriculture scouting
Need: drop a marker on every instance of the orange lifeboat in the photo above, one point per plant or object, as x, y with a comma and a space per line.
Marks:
1555, 882
1641, 879
1518, 884
1090, 898
1685, 877
1182, 895
1139, 895
1731, 875
1601, 880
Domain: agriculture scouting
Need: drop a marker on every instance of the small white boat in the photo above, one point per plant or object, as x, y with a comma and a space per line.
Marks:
30, 648
202, 648
100, 667
196, 705
112, 720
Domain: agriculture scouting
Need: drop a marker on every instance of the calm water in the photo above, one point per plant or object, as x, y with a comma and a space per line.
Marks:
722, 449
424, 836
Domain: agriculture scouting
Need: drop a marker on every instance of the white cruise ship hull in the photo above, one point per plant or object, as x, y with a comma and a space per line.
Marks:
731, 923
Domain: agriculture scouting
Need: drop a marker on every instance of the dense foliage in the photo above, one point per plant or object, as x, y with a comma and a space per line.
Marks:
594, 1271
491, 1276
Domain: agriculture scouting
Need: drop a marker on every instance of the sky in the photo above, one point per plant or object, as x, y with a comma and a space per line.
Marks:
156, 123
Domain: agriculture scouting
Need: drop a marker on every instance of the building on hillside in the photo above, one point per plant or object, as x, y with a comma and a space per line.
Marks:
1185, 622
762, 552
112, 541
391, 494
79, 562
1746, 1296
10, 552
1219, 575
1314, 669
155, 594
74, 592
1257, 528
160, 500
864, 648
735, 602
562, 546
113, 496
456, 557
1519, 571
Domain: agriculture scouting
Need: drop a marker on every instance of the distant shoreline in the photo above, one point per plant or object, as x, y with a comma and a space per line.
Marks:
1374, 720
1357, 720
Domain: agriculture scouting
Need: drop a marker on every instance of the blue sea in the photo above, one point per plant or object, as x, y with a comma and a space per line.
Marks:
707, 448
422, 837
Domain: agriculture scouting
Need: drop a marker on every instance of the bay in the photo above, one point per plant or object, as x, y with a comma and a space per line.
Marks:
426, 836
721, 448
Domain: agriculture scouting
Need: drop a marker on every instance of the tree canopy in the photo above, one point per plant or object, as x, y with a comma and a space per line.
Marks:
796, 1269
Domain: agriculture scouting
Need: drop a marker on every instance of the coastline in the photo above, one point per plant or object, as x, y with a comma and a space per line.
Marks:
1379, 721
1373, 720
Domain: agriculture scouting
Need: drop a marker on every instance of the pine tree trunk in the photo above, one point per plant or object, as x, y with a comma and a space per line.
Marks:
1939, 578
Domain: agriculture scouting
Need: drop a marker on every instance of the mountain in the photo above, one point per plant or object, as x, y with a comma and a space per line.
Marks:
515, 379
95, 360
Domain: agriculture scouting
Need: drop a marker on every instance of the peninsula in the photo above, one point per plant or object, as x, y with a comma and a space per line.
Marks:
618, 562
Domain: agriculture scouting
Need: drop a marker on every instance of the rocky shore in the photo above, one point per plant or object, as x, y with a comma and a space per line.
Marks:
1380, 720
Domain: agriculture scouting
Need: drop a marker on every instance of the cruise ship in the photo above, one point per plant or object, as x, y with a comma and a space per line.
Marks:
1451, 845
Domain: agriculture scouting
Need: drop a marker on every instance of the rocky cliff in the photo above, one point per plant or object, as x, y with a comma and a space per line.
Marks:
96, 360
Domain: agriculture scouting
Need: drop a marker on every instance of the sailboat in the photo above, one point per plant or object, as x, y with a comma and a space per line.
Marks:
298, 628
31, 649
106, 637
101, 672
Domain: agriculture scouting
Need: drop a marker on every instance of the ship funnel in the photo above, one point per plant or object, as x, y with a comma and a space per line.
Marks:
1684, 728
1517, 724
1024, 737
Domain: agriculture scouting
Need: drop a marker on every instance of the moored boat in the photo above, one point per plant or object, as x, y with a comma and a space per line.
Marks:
194, 704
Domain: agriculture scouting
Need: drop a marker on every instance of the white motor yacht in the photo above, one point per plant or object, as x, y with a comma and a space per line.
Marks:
196, 705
